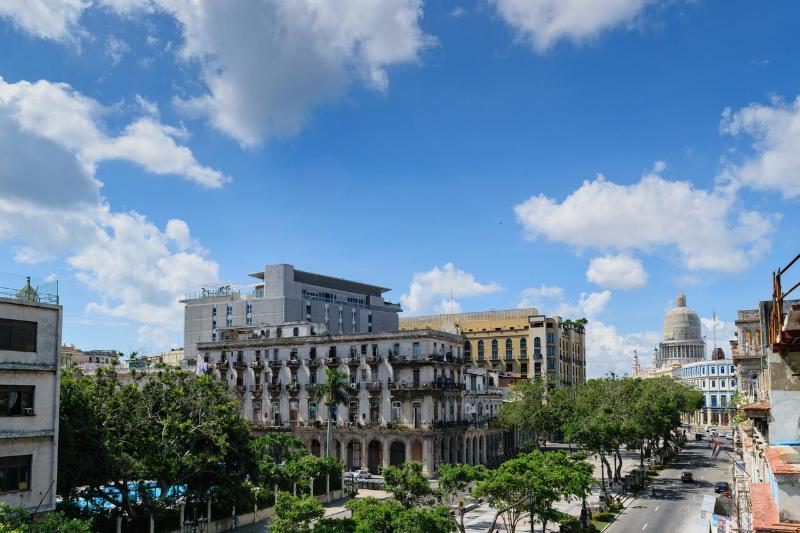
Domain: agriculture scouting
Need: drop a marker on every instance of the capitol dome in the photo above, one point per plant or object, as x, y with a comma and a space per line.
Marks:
682, 341
681, 323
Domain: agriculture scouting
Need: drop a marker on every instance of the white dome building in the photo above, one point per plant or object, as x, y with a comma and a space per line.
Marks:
682, 341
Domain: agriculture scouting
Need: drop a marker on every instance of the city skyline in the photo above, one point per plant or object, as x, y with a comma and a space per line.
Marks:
470, 158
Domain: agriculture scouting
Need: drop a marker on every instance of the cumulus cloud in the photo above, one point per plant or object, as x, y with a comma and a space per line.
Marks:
51, 208
607, 349
542, 23
56, 112
774, 132
708, 229
44, 19
725, 330
434, 291
617, 272
265, 64
552, 300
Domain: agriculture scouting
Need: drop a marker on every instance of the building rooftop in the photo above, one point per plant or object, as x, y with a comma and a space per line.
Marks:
476, 316
331, 282
26, 288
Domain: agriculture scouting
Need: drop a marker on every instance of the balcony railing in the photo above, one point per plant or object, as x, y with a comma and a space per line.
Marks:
28, 289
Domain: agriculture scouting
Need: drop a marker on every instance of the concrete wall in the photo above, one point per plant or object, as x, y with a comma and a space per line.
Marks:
35, 435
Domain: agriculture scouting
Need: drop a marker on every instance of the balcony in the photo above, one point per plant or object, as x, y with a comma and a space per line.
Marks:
293, 363
311, 388
275, 364
784, 320
254, 388
374, 387
423, 359
353, 360
257, 364
240, 364
374, 359
332, 361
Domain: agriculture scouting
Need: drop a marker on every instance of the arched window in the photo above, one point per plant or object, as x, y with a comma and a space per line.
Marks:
467, 350
537, 342
509, 349
523, 347
495, 353
480, 350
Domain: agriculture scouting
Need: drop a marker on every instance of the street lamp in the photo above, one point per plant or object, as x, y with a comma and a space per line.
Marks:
531, 503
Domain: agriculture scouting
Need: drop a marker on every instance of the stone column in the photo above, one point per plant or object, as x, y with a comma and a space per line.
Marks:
428, 460
385, 452
483, 449
463, 457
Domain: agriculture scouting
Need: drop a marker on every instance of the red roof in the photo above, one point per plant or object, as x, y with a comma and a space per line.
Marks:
783, 460
757, 406
765, 512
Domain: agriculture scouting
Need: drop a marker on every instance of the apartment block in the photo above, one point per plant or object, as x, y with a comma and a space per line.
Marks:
517, 343
284, 294
30, 338
411, 395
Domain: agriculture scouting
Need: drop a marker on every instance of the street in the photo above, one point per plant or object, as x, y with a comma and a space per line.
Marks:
676, 505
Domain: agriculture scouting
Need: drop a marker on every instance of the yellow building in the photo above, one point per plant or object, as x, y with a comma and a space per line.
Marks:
519, 343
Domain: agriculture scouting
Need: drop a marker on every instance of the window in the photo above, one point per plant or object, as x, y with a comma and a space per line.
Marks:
723, 398
480, 350
363, 374
467, 350
352, 411
495, 353
713, 383
213, 310
523, 368
713, 370
415, 349
308, 311
551, 338
15, 473
16, 400
733, 383
312, 410
722, 383
279, 333
509, 367
551, 364
363, 349
295, 332
721, 369
551, 350
713, 400
704, 384
733, 369
537, 342
249, 313
395, 411
17, 335
509, 349
523, 348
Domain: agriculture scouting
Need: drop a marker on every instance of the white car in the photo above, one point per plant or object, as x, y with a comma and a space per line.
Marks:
364, 474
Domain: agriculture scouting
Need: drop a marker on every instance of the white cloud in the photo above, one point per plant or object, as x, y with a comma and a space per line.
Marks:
607, 350
552, 300
775, 134
55, 112
440, 284
153, 339
267, 64
116, 49
708, 229
542, 23
51, 208
45, 19
617, 272
724, 331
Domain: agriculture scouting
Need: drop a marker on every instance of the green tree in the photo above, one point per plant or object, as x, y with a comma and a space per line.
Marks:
390, 516
18, 520
407, 484
294, 514
332, 393
173, 429
456, 479
527, 409
550, 476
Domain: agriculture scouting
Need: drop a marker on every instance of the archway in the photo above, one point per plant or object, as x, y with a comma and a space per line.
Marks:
353, 455
416, 451
475, 457
397, 453
316, 448
374, 456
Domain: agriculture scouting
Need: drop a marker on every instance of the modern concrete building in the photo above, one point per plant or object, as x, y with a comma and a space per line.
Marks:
283, 294
408, 392
30, 338
518, 343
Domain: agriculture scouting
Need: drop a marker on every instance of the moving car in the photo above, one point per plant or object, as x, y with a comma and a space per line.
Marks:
358, 474
722, 487
686, 477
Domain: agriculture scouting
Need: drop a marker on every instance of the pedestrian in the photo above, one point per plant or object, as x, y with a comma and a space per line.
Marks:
235, 521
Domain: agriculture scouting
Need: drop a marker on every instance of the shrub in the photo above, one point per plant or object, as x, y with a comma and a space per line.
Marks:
603, 517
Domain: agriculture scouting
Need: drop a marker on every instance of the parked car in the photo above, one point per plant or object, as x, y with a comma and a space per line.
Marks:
721, 487
728, 436
699, 435
686, 477
364, 474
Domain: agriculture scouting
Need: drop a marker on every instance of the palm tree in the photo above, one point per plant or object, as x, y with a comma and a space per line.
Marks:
332, 393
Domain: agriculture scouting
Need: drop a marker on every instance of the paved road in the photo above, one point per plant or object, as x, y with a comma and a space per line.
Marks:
676, 505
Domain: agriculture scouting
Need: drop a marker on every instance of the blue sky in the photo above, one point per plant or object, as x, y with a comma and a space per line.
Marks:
590, 159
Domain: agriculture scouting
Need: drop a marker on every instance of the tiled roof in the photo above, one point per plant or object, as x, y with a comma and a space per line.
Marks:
765, 512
